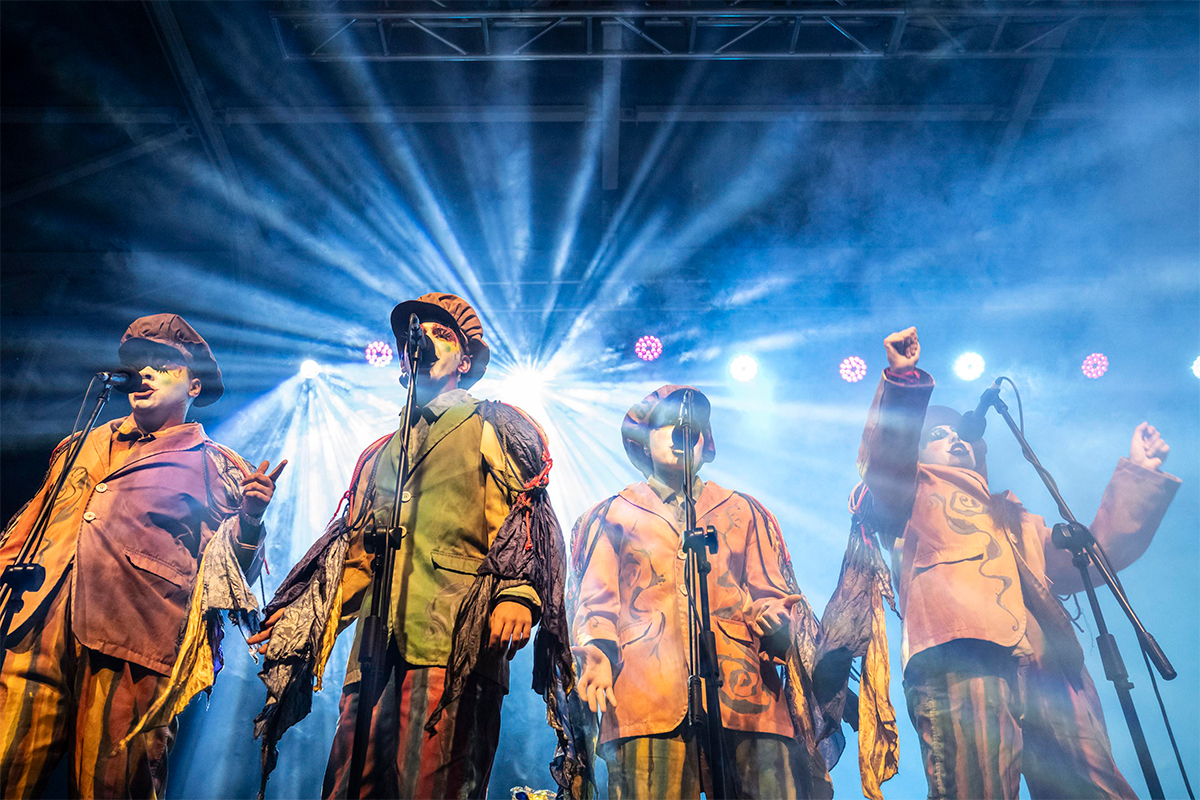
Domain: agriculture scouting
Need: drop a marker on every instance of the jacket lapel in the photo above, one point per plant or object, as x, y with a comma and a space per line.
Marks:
643, 497
184, 437
441, 428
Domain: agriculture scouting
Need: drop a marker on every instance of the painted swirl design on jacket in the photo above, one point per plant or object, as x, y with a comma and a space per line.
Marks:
958, 512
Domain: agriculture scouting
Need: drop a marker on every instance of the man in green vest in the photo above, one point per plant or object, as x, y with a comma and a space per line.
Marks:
481, 560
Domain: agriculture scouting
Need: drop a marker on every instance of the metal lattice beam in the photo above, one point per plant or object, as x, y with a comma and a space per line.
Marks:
720, 31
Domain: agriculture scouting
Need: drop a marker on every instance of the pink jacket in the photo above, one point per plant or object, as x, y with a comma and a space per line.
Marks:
960, 575
632, 592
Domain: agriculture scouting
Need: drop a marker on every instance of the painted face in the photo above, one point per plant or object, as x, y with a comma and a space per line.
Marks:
166, 395
667, 456
449, 363
942, 446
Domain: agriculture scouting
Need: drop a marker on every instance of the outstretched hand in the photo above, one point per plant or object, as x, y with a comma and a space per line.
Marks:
1147, 449
596, 680
263, 637
257, 489
903, 349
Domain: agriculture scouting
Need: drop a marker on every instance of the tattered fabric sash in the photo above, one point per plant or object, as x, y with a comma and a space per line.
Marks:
220, 587
854, 626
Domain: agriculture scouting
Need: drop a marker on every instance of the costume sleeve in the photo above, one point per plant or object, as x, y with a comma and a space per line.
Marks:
20, 524
887, 457
1133, 505
505, 480
596, 568
226, 471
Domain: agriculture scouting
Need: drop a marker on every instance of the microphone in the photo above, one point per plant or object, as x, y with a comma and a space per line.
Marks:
126, 380
973, 423
684, 423
420, 343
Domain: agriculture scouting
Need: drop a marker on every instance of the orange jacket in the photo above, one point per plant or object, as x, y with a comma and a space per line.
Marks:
960, 575
631, 588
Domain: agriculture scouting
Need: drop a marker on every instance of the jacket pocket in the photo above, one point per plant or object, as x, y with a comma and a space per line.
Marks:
148, 563
632, 632
456, 562
735, 631
952, 554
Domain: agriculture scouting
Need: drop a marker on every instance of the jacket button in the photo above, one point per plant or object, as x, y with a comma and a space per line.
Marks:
88, 516
683, 589
405, 497
101, 487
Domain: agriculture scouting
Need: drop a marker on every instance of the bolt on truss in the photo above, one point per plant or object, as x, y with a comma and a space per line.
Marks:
738, 30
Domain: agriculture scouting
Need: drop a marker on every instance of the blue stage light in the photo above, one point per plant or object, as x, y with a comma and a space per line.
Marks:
309, 369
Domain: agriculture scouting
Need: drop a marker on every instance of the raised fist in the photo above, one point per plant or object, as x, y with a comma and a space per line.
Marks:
903, 349
1148, 448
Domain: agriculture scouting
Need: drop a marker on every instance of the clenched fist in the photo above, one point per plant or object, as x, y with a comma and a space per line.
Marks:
903, 349
510, 626
1148, 448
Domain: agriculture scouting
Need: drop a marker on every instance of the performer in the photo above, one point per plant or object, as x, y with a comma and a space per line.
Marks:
993, 671
630, 627
482, 558
151, 513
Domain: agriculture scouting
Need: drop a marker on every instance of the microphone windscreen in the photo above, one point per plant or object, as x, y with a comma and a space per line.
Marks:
971, 427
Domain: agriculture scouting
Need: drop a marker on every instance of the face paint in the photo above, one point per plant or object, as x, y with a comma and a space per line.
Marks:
166, 395
668, 458
449, 362
942, 446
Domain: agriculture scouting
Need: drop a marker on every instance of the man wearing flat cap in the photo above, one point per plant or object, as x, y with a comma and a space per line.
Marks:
480, 561
102, 654
993, 670
630, 626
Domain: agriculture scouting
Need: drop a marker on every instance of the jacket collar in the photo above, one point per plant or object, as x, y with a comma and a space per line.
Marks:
187, 436
968, 480
448, 420
644, 497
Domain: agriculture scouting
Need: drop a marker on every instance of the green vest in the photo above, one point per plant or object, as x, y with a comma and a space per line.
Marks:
446, 539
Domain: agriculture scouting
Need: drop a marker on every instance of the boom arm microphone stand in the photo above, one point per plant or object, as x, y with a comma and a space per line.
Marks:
1074, 536
24, 574
382, 543
697, 544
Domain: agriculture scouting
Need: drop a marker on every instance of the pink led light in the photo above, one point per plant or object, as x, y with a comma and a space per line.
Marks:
648, 348
379, 354
853, 369
1095, 365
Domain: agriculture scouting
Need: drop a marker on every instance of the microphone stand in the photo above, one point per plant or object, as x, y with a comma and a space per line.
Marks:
1074, 536
24, 574
382, 543
702, 643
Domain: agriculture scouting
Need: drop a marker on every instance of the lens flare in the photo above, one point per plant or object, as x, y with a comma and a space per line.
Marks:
309, 369
969, 366
1095, 365
853, 369
743, 368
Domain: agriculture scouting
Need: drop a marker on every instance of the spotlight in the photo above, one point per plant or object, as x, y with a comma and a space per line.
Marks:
648, 348
379, 354
1196, 367
969, 366
1095, 365
309, 369
743, 368
853, 369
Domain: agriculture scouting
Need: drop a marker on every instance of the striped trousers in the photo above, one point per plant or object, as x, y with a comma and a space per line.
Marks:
985, 718
666, 767
402, 759
57, 697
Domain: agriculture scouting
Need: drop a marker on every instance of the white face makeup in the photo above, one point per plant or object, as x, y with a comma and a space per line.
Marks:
166, 395
942, 446
450, 363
